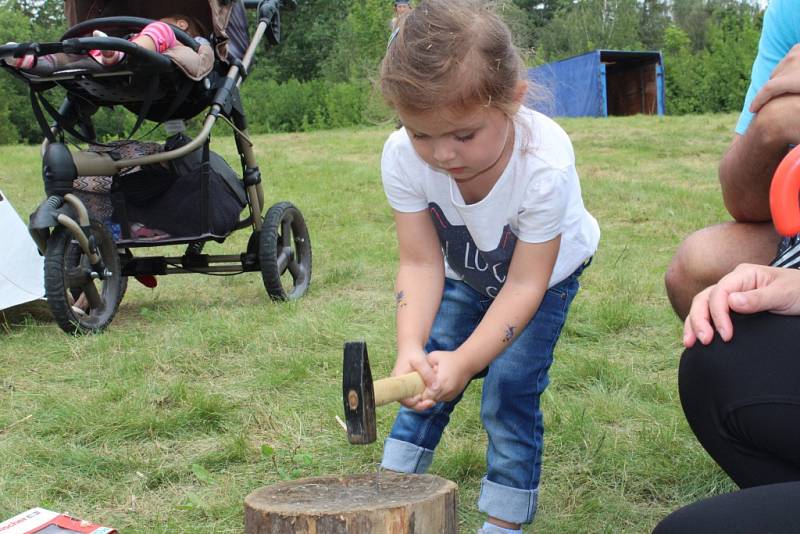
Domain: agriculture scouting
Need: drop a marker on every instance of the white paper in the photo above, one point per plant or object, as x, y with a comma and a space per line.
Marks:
21, 266
27, 521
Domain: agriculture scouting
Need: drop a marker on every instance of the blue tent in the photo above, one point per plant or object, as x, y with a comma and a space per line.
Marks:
598, 84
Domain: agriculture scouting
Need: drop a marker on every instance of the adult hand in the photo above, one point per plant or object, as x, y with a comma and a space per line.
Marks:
452, 375
785, 78
408, 361
747, 289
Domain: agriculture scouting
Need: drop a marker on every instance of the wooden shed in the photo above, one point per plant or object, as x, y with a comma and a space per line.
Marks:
600, 83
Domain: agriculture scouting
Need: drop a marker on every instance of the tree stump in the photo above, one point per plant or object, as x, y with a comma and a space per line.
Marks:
383, 503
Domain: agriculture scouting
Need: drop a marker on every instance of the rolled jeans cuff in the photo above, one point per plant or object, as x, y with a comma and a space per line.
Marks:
509, 504
405, 457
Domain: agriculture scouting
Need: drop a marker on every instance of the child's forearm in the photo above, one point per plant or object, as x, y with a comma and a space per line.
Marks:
418, 292
145, 42
510, 312
519, 299
156, 37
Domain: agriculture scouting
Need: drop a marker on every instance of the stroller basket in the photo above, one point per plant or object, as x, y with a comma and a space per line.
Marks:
197, 196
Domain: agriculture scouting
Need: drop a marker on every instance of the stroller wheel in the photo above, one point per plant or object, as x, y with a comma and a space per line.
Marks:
73, 257
79, 303
285, 252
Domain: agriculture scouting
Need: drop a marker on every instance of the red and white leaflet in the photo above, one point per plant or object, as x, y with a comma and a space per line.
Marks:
41, 521
28, 521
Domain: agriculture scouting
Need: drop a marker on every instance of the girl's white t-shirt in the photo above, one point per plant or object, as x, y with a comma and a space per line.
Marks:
537, 197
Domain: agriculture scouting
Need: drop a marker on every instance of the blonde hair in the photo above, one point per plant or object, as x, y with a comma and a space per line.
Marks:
451, 55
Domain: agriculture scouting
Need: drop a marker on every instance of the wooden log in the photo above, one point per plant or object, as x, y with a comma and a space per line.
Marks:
381, 503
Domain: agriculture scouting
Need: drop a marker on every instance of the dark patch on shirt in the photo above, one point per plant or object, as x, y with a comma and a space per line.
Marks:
484, 271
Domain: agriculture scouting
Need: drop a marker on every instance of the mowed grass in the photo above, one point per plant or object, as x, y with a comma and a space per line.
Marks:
203, 390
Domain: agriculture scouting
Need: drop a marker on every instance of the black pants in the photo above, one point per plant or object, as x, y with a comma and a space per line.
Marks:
771, 509
742, 400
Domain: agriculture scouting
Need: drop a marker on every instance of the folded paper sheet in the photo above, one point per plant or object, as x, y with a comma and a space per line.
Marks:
21, 266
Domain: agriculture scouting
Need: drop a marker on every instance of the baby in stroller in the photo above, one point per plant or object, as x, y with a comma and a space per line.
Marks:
158, 36
164, 68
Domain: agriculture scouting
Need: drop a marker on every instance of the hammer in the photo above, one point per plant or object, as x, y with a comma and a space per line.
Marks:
361, 395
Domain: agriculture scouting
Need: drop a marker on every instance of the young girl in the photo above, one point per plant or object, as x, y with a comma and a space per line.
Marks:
493, 235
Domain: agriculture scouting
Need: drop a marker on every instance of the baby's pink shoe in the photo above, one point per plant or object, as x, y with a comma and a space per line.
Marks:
106, 57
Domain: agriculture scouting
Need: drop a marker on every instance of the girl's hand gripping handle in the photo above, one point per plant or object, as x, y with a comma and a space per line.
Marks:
396, 388
784, 195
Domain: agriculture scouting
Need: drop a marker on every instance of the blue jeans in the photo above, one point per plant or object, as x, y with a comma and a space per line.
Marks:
510, 413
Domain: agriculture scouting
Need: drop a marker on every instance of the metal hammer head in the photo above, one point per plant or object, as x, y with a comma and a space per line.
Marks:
358, 393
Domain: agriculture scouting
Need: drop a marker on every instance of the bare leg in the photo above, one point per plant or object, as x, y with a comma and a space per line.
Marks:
709, 254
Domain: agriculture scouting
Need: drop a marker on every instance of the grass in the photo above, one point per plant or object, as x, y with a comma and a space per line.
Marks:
203, 390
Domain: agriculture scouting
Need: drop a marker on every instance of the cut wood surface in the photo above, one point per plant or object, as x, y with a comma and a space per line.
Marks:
380, 503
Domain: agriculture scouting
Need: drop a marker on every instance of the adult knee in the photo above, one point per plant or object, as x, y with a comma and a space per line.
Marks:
691, 264
704, 377
688, 272
674, 278
676, 523
694, 373
691, 372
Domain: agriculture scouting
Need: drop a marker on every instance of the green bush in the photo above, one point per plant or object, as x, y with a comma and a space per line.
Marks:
303, 106
683, 74
9, 134
287, 107
345, 103
716, 78
732, 47
269, 106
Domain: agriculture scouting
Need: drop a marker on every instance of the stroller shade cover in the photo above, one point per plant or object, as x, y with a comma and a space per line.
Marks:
218, 18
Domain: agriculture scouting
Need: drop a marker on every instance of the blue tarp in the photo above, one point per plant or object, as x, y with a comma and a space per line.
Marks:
598, 84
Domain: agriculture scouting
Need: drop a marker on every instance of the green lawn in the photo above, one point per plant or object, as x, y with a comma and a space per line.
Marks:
203, 390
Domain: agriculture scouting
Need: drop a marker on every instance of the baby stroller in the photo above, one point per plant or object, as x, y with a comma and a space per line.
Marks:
184, 190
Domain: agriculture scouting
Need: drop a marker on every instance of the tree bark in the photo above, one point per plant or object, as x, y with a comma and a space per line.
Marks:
383, 503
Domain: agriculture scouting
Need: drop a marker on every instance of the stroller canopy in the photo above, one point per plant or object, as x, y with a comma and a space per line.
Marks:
225, 20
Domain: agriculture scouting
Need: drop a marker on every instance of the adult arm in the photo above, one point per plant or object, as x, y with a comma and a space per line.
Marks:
418, 293
528, 276
769, 118
747, 289
746, 170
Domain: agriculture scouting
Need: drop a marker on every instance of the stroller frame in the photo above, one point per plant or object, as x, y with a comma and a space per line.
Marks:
79, 251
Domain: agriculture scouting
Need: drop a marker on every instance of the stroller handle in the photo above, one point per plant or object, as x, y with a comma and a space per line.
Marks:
269, 14
82, 45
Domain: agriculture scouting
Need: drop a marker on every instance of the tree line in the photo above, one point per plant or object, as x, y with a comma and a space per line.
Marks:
321, 75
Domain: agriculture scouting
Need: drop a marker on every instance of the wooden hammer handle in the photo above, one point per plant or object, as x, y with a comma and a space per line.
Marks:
395, 388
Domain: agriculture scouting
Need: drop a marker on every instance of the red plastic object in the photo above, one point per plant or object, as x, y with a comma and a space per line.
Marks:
147, 280
784, 194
